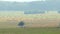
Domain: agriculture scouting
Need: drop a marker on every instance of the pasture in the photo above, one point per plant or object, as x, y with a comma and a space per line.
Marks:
10, 20
30, 30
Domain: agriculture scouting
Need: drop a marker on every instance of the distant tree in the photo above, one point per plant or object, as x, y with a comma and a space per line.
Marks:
21, 24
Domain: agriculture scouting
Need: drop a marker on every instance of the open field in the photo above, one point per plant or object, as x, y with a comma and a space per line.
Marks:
12, 19
30, 31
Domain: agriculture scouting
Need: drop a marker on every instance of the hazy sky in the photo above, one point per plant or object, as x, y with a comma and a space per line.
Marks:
22, 0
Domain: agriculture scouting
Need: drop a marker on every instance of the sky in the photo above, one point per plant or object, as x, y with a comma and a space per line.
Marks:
22, 0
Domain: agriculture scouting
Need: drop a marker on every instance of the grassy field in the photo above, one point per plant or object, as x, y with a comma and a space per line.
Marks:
29, 30
10, 20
